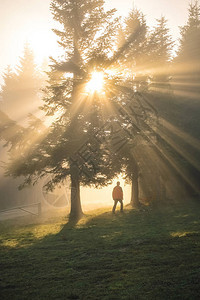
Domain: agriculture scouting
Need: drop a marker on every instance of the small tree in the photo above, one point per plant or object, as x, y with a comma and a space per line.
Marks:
187, 62
160, 47
21, 88
8, 89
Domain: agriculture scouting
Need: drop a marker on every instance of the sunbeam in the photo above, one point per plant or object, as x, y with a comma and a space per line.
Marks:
96, 83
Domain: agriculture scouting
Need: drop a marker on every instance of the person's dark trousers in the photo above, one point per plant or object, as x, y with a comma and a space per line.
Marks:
115, 204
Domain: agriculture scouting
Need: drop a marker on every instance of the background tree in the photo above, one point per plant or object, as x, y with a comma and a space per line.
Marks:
136, 115
187, 62
160, 47
20, 94
133, 35
178, 165
7, 91
21, 88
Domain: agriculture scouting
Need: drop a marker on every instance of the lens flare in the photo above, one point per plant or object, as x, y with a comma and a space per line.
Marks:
96, 82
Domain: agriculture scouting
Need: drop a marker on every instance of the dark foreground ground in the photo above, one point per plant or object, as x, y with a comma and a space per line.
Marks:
152, 254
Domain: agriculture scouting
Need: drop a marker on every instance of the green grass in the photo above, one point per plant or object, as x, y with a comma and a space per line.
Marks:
152, 254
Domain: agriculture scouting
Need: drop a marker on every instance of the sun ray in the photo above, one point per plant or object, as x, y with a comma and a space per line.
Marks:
96, 83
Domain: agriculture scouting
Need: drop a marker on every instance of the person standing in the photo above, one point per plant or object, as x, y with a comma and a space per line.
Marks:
117, 195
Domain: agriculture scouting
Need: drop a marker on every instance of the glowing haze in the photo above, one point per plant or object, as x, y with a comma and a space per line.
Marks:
31, 21
22, 21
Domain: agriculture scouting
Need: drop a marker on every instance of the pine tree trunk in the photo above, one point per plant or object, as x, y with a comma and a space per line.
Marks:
76, 210
134, 183
135, 192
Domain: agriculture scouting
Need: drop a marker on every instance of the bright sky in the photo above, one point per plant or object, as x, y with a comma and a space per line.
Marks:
30, 20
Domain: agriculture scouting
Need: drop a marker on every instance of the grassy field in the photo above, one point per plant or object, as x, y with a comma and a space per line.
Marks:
151, 254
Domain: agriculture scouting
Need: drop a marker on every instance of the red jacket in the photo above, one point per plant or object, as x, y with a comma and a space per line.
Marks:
117, 193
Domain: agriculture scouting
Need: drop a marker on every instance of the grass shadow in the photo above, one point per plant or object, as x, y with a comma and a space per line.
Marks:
126, 256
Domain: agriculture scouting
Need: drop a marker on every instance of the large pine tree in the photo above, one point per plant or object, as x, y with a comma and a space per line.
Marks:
73, 146
83, 141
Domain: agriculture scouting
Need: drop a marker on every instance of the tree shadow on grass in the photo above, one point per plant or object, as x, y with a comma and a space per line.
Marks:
109, 257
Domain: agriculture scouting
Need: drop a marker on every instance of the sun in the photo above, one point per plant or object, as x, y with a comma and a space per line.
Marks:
96, 82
